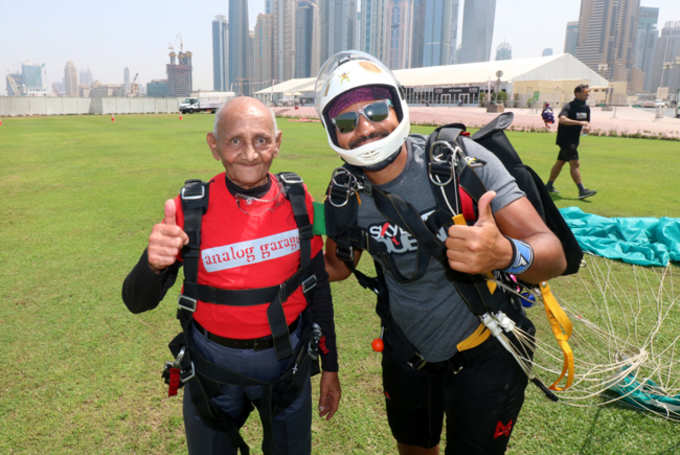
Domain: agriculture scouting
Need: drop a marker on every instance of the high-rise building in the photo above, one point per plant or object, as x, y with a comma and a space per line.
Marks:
400, 20
220, 48
374, 31
179, 74
547, 52
435, 31
262, 52
126, 81
238, 47
32, 76
15, 85
283, 51
647, 35
571, 38
337, 20
70, 79
504, 51
665, 68
157, 88
607, 30
478, 22
86, 78
307, 39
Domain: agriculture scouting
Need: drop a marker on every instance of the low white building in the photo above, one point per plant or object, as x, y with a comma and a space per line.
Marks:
524, 80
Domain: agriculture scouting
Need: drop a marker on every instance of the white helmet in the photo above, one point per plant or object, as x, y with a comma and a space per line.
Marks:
346, 71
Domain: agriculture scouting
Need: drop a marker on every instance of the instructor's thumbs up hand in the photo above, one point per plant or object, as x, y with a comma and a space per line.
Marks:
166, 239
479, 248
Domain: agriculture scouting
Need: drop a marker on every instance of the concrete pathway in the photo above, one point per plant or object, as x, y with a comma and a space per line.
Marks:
621, 120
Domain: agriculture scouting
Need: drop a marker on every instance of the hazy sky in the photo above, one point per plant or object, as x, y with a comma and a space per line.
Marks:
108, 36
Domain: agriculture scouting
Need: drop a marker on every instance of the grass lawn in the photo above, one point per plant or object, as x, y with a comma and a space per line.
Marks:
82, 375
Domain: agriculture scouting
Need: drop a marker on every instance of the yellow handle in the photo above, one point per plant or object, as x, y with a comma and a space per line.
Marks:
561, 328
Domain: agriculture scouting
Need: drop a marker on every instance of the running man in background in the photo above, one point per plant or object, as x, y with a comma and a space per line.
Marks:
573, 120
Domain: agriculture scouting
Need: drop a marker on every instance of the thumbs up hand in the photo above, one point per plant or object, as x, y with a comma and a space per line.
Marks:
166, 239
480, 248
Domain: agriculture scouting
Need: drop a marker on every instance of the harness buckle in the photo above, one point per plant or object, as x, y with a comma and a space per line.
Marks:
191, 194
187, 375
343, 184
290, 178
186, 303
345, 253
308, 283
441, 164
417, 362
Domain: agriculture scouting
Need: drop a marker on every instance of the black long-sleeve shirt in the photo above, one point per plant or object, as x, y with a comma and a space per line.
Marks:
143, 289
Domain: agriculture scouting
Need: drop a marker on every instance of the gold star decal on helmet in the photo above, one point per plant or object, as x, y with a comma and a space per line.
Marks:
344, 77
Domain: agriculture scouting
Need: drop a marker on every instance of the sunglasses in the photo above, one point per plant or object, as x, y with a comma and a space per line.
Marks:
375, 112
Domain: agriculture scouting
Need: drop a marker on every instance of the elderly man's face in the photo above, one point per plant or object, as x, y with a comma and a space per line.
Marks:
245, 142
366, 130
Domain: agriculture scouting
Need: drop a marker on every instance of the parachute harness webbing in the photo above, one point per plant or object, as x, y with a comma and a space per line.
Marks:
561, 327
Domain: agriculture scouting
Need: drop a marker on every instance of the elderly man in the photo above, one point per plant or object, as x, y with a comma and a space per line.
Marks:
255, 307
438, 358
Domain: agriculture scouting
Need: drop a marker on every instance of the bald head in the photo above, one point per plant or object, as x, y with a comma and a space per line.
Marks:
245, 140
238, 106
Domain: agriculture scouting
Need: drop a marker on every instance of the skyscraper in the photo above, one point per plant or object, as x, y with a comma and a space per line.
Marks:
70, 79
33, 80
126, 81
606, 34
86, 78
373, 24
220, 48
435, 30
400, 19
571, 38
647, 35
307, 38
504, 51
665, 70
238, 46
179, 74
478, 22
283, 51
262, 52
337, 23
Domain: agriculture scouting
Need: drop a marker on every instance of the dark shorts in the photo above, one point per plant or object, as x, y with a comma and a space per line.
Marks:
568, 152
481, 402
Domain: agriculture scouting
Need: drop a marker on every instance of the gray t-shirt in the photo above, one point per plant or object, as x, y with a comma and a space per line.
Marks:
429, 310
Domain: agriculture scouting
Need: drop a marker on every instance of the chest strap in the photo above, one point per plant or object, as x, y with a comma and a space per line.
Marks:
194, 197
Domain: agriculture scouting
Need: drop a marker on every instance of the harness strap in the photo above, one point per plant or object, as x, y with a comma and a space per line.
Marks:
194, 197
249, 297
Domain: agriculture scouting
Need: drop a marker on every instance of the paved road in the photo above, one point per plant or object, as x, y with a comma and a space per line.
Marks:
621, 120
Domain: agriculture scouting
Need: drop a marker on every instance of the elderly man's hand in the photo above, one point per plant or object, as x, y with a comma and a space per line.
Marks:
479, 248
166, 240
329, 394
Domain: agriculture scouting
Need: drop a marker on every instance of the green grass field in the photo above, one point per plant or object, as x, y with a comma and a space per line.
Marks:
80, 374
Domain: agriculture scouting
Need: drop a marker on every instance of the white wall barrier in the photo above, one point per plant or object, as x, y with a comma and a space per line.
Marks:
11, 106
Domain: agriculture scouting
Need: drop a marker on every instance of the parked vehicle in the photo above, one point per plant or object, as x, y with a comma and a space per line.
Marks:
204, 102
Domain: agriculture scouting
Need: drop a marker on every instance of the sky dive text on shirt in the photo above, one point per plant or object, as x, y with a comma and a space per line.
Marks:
250, 251
396, 239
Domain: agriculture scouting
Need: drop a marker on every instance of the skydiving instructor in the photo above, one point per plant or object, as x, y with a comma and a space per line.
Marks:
255, 307
462, 372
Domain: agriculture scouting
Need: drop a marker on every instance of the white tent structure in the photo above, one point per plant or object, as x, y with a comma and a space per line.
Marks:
463, 83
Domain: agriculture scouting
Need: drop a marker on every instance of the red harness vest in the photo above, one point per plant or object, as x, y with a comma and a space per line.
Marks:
247, 244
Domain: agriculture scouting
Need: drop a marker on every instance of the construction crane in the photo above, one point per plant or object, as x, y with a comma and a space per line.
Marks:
134, 87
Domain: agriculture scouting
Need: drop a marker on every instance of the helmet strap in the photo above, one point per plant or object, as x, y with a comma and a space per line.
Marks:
384, 163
